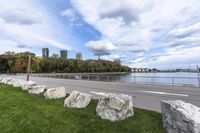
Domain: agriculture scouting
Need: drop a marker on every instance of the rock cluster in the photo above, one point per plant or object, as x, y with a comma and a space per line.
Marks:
110, 106
77, 100
180, 117
115, 107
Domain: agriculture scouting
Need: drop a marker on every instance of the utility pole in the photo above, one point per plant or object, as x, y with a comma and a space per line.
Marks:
189, 68
99, 57
29, 66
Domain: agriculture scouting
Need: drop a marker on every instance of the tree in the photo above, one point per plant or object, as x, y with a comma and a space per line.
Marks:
18, 63
4, 67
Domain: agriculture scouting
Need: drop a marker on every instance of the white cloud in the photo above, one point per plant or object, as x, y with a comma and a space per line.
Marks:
188, 55
20, 16
143, 25
33, 25
101, 47
70, 14
8, 45
185, 31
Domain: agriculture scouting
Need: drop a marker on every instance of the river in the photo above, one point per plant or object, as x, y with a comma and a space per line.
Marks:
172, 78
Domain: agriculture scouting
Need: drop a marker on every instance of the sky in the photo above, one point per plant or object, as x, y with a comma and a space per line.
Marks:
141, 33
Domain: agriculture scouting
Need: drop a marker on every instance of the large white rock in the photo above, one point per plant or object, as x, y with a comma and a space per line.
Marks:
77, 100
54, 93
115, 107
1, 78
27, 85
38, 89
10, 82
6, 80
18, 83
180, 117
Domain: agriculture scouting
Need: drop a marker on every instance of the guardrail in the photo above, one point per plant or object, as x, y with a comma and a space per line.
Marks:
174, 81
157, 80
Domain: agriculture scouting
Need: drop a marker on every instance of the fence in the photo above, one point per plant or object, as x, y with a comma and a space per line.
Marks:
157, 80
173, 81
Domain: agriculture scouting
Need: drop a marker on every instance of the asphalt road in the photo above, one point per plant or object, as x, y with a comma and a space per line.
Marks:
144, 96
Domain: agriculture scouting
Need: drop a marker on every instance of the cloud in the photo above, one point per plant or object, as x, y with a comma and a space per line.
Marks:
22, 46
169, 58
31, 25
185, 31
187, 41
128, 15
138, 26
138, 50
70, 14
9, 45
101, 47
117, 21
20, 16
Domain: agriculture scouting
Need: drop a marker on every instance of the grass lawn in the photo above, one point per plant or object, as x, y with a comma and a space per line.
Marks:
21, 112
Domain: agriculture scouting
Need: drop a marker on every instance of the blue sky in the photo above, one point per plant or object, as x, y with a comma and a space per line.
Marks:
141, 33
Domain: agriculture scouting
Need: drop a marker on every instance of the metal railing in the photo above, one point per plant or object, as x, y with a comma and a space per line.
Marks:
155, 80
173, 81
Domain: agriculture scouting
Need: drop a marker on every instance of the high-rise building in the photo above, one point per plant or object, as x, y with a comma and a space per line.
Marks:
79, 56
45, 52
117, 61
63, 53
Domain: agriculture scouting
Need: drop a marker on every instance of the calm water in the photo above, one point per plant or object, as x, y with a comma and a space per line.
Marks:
178, 78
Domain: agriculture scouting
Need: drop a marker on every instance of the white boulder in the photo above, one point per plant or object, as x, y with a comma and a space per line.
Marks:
1, 79
10, 82
38, 89
54, 93
6, 80
77, 100
18, 83
180, 117
27, 85
115, 107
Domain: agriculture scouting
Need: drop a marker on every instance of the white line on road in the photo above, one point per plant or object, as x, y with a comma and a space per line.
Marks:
97, 93
163, 93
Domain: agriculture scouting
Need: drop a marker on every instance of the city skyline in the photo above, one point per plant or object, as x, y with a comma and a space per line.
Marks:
139, 33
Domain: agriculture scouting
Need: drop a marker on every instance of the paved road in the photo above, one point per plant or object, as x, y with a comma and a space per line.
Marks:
144, 96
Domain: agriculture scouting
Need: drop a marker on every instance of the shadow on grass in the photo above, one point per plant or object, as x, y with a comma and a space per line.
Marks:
21, 112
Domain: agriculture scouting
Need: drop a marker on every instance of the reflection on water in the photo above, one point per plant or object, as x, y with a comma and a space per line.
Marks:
178, 78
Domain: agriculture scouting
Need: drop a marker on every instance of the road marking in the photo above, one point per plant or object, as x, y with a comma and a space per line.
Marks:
163, 93
99, 93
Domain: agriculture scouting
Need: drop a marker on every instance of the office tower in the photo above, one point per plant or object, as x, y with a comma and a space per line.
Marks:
78, 56
117, 61
63, 54
45, 52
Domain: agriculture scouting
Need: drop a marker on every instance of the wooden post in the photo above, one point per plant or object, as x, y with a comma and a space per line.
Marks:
29, 66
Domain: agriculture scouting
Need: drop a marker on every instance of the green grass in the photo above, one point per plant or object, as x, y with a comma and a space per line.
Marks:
21, 112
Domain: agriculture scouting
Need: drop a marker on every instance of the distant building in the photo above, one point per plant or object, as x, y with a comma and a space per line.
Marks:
78, 56
63, 53
9, 53
54, 55
45, 52
117, 61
